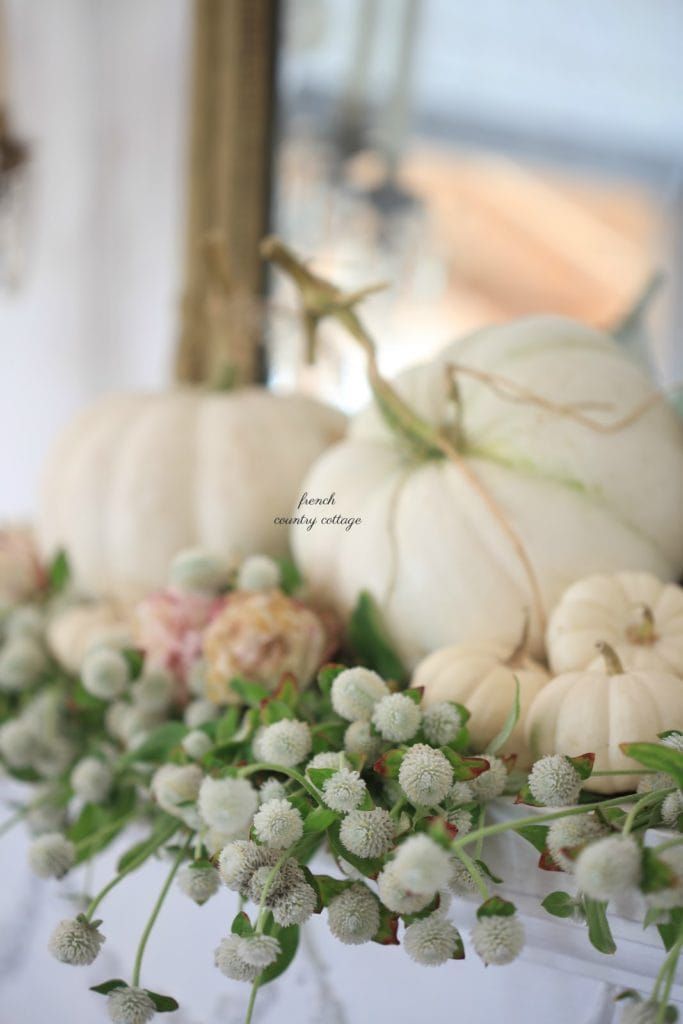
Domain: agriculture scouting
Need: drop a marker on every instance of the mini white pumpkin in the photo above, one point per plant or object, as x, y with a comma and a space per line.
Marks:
597, 709
137, 478
482, 677
76, 629
634, 612
441, 541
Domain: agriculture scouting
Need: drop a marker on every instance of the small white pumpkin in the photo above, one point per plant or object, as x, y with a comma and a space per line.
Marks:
73, 631
597, 709
482, 677
136, 478
634, 612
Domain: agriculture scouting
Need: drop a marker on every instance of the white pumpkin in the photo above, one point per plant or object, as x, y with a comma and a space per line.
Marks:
136, 478
597, 709
435, 547
481, 677
634, 612
74, 630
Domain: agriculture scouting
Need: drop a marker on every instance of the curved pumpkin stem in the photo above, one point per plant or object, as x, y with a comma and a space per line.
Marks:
321, 299
643, 632
612, 661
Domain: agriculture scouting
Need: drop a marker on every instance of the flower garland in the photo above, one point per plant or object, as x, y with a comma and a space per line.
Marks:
211, 737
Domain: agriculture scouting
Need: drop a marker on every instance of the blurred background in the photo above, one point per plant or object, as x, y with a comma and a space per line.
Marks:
487, 159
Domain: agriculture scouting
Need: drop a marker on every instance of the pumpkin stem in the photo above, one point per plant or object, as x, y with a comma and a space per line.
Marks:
519, 651
321, 299
643, 632
611, 658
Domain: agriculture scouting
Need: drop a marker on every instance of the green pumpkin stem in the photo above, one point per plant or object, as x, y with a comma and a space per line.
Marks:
612, 661
643, 632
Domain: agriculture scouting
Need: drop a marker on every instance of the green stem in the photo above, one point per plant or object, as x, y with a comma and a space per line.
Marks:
649, 798
14, 820
668, 844
475, 873
627, 771
252, 1002
397, 808
292, 773
666, 975
155, 910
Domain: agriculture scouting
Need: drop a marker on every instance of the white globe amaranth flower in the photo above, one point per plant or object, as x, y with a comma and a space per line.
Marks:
344, 791
461, 819
441, 723
200, 712
672, 896
422, 866
258, 572
52, 755
395, 896
130, 1005
431, 941
674, 740
359, 739
295, 905
640, 1012
609, 867
229, 961
396, 717
115, 718
492, 782
271, 789
568, 833
425, 775
196, 744
498, 939
105, 673
328, 759
153, 693
22, 663
278, 824
51, 855
355, 691
25, 621
76, 941
91, 780
554, 781
287, 742
353, 916
658, 780
198, 569
368, 833
672, 808
17, 743
227, 804
175, 788
259, 950
239, 860
461, 881
199, 883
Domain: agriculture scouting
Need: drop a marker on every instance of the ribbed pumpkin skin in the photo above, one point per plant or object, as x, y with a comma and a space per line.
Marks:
135, 478
434, 556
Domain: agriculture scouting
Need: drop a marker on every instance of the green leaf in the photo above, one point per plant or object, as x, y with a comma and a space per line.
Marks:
59, 572
158, 744
139, 853
163, 1004
508, 725
670, 931
389, 764
319, 776
537, 835
273, 711
290, 577
496, 906
327, 675
241, 925
329, 887
226, 726
105, 987
249, 693
656, 874
289, 941
599, 931
135, 657
369, 639
657, 757
320, 819
387, 933
559, 904
98, 824
414, 693
465, 768
486, 870
583, 765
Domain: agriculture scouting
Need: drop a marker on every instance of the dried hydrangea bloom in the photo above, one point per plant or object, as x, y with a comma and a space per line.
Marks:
353, 916
344, 791
355, 691
431, 941
367, 833
227, 804
169, 625
278, 824
492, 782
566, 834
76, 941
261, 636
130, 1005
199, 883
498, 939
396, 897
425, 775
422, 866
441, 723
51, 855
609, 867
175, 788
554, 781
105, 673
286, 743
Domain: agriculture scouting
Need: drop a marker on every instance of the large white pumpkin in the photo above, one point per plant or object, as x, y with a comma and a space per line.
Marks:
136, 478
431, 549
